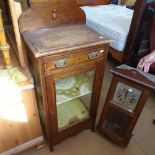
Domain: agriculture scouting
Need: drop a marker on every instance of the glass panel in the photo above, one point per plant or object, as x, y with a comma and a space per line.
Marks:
73, 98
116, 122
126, 96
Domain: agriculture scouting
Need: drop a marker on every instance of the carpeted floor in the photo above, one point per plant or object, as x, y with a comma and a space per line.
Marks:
89, 143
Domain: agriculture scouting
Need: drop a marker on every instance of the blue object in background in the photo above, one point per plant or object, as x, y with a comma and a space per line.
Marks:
114, 2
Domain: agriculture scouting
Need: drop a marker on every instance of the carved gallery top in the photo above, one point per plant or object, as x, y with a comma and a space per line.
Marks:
47, 41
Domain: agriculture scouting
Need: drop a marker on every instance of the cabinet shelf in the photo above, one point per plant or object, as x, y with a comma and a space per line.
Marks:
71, 112
69, 99
73, 87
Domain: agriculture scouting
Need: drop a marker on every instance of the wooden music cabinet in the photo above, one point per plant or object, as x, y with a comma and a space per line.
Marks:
67, 63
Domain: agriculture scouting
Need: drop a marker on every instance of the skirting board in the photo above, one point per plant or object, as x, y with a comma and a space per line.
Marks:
25, 146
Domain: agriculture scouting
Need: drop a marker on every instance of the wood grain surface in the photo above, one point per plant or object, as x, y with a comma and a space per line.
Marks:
62, 36
41, 14
91, 2
60, 39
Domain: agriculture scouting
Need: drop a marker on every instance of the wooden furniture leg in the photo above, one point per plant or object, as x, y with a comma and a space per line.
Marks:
4, 47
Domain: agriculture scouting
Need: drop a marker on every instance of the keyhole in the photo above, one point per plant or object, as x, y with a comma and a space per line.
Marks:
54, 13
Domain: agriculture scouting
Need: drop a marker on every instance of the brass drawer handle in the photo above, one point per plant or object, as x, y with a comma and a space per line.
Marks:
61, 63
93, 55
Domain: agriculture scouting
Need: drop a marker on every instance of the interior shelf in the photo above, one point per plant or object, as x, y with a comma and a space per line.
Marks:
73, 87
71, 112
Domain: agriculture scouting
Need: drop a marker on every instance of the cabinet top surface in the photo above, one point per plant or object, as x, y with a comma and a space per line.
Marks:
47, 41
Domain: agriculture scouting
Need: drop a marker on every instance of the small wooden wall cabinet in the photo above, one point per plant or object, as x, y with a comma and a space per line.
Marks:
126, 98
67, 61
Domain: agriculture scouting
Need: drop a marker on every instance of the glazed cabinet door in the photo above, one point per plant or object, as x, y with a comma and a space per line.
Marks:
73, 98
73, 95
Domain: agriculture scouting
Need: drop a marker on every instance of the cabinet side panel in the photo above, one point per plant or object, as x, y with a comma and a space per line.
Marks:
37, 69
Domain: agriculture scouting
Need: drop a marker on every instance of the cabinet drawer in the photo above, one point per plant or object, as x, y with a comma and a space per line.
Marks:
73, 59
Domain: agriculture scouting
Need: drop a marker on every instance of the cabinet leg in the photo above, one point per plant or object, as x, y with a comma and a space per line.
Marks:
128, 140
51, 148
93, 128
50, 144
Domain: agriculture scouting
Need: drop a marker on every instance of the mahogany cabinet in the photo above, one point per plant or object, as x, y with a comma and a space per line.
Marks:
67, 61
68, 76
